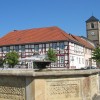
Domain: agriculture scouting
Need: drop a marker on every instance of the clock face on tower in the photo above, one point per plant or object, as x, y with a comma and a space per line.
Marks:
92, 33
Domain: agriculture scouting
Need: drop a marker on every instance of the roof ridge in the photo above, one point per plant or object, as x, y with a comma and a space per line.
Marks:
27, 30
33, 28
63, 32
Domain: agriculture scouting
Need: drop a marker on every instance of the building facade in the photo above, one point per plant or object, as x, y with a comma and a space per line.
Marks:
70, 50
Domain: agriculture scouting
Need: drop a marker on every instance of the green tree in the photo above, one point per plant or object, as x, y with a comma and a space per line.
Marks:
51, 55
1, 62
96, 54
11, 58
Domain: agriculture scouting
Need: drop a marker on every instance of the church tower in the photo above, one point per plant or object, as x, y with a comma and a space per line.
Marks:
93, 30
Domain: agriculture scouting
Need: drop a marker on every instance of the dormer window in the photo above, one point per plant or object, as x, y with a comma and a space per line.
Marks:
92, 25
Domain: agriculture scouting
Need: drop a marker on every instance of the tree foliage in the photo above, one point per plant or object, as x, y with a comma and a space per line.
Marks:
1, 62
96, 54
11, 58
51, 55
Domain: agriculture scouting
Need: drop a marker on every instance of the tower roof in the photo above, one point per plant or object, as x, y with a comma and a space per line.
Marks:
92, 19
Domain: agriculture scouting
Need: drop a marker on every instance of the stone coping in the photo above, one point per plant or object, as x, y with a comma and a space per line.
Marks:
48, 72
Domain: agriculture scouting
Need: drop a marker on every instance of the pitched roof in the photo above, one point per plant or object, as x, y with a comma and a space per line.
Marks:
90, 41
38, 35
92, 19
83, 42
34, 35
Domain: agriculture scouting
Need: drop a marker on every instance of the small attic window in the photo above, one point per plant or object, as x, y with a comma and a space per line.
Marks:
92, 25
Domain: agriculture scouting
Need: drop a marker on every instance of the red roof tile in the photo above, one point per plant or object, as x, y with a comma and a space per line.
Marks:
83, 42
33, 36
36, 35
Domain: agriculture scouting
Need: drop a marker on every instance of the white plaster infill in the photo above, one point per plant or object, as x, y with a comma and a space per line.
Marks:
40, 73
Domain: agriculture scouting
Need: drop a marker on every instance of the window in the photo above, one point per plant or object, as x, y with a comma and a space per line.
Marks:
72, 59
11, 48
61, 45
62, 59
92, 25
29, 46
4, 49
54, 45
44, 46
16, 48
36, 47
0, 49
75, 49
7, 49
22, 48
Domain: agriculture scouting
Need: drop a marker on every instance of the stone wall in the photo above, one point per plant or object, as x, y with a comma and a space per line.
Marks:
67, 88
12, 88
48, 85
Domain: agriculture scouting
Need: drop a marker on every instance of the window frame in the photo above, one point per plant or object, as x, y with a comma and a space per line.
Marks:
36, 47
92, 25
8, 49
16, 48
54, 45
61, 45
22, 48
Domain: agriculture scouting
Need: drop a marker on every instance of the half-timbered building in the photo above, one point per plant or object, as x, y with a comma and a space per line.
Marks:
70, 49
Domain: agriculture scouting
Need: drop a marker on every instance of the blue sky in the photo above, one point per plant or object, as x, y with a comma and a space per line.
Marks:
69, 15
